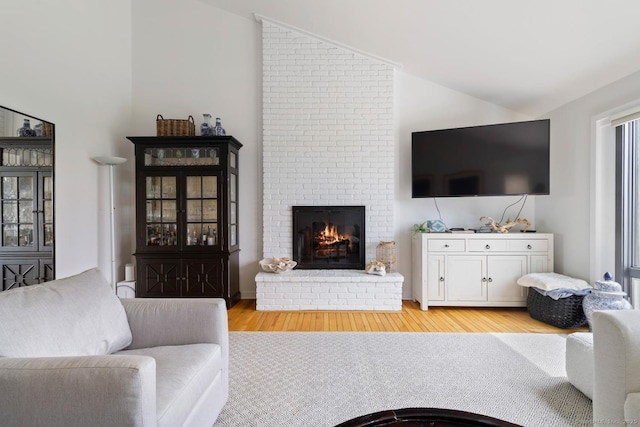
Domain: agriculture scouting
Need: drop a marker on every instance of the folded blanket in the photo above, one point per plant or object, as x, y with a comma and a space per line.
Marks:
551, 281
556, 294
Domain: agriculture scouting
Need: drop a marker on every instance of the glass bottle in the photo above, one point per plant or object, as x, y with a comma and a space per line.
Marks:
205, 128
218, 129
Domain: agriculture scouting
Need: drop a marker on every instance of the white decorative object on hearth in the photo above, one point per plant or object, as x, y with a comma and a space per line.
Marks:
277, 265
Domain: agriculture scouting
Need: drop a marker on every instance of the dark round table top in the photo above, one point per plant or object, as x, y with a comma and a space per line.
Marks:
420, 417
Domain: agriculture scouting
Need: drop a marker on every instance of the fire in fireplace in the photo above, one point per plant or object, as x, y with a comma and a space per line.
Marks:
329, 237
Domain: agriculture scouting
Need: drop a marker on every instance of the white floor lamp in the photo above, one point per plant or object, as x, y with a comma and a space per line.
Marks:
111, 162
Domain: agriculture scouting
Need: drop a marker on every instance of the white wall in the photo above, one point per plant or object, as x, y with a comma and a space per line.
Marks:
190, 59
570, 212
70, 63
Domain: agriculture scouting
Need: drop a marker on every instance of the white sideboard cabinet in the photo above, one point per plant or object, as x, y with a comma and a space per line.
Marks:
458, 269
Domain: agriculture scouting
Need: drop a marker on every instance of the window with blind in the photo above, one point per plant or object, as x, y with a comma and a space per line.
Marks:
628, 202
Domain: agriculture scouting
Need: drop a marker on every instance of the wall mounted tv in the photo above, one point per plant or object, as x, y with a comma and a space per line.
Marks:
491, 160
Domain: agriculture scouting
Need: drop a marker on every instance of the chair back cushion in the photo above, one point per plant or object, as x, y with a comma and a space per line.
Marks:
76, 316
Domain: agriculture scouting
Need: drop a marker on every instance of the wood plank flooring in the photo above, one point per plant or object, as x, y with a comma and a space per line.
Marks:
244, 317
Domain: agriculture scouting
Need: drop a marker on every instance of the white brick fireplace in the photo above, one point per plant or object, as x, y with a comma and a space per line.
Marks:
328, 134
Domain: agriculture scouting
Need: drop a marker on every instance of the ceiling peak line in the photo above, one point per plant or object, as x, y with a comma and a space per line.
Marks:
261, 18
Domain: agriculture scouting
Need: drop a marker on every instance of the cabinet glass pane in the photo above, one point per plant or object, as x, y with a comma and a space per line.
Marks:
194, 187
233, 160
234, 214
48, 188
26, 211
168, 187
169, 211
210, 210
202, 234
194, 210
182, 156
233, 232
153, 210
10, 235
210, 187
162, 235
9, 211
232, 187
153, 187
25, 187
48, 211
48, 234
9, 187
26, 235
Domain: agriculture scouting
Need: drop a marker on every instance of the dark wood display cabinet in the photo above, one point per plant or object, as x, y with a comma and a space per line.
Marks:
26, 202
187, 217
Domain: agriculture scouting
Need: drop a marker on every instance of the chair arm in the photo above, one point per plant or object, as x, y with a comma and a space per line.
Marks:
177, 321
616, 351
632, 409
78, 391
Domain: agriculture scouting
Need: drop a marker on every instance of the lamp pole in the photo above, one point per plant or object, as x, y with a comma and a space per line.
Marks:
111, 162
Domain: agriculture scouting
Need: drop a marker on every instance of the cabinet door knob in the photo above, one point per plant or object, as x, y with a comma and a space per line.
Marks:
529, 246
484, 279
446, 245
490, 279
487, 247
442, 279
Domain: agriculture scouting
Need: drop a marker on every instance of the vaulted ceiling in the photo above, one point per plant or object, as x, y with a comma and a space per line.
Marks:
528, 56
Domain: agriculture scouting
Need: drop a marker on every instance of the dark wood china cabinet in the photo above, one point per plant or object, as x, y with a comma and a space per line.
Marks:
187, 217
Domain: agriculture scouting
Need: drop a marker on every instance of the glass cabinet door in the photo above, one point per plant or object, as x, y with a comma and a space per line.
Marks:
19, 211
202, 210
161, 211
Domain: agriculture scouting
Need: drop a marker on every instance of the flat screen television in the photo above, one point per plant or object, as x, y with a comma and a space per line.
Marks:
491, 160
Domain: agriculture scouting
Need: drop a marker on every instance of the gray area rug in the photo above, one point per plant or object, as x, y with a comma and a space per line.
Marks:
325, 378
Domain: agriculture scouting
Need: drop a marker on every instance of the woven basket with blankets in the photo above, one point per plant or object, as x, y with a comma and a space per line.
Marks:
556, 299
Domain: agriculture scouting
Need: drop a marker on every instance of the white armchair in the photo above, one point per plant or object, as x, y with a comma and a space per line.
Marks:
616, 350
73, 354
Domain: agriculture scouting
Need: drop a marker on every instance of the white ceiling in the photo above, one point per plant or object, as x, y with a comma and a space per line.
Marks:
530, 56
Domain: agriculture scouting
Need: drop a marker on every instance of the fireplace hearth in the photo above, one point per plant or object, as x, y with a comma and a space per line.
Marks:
329, 237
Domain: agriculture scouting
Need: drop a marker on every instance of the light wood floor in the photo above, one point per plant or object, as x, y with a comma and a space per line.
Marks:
244, 317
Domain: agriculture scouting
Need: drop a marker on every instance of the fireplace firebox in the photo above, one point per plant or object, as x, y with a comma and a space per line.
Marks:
329, 237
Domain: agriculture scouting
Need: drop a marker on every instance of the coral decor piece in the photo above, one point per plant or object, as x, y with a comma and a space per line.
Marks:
504, 228
277, 265
376, 267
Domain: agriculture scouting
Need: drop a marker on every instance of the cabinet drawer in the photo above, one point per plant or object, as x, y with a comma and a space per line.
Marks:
529, 245
488, 245
446, 245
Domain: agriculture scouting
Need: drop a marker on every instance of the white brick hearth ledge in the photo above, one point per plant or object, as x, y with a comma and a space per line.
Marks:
328, 290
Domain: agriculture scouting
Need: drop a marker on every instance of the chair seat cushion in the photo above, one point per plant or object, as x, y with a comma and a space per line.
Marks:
183, 374
76, 316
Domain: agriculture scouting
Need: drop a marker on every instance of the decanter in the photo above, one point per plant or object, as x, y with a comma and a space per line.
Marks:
26, 130
205, 127
218, 129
